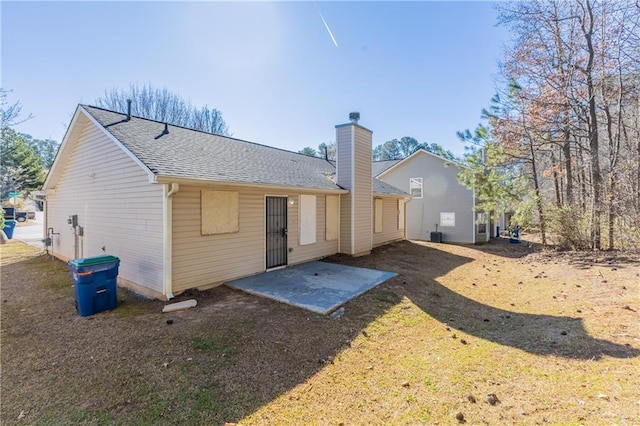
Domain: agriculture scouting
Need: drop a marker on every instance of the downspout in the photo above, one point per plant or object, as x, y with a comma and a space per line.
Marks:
352, 213
339, 224
169, 191
473, 216
45, 229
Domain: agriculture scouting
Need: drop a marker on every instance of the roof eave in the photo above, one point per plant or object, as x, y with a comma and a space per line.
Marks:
209, 182
61, 149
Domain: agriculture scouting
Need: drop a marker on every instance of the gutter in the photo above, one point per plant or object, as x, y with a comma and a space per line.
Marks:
170, 189
259, 186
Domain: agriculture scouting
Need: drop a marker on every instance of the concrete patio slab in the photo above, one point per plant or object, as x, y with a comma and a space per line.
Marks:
317, 286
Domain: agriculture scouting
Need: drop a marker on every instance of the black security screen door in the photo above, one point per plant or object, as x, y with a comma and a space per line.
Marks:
276, 231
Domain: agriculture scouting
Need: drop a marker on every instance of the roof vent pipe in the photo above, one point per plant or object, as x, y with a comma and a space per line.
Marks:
128, 109
166, 129
354, 117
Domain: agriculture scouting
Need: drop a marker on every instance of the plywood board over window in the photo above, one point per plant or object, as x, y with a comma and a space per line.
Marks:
307, 219
332, 210
377, 215
219, 212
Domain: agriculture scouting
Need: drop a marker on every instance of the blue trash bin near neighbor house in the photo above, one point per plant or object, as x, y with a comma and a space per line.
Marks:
9, 226
95, 283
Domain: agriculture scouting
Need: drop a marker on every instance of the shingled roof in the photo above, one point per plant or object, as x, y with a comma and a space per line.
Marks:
192, 154
381, 166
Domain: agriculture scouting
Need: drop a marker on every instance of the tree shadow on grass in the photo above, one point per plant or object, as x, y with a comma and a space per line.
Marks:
280, 347
538, 334
234, 353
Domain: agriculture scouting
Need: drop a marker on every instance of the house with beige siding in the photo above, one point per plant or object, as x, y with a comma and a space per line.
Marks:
187, 209
439, 203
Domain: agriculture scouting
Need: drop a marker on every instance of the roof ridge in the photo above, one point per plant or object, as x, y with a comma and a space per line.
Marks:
202, 131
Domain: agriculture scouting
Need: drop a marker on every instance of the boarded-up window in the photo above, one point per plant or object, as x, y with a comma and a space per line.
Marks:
307, 219
415, 187
447, 219
331, 217
219, 212
377, 215
400, 214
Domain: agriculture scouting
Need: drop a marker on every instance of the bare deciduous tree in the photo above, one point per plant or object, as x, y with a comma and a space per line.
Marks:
163, 105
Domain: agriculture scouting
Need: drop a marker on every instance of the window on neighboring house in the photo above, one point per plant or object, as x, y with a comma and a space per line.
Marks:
447, 219
415, 187
481, 223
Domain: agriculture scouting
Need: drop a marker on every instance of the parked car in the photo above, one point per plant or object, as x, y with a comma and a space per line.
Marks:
10, 213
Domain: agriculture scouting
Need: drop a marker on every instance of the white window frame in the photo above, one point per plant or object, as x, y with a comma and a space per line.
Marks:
419, 185
448, 219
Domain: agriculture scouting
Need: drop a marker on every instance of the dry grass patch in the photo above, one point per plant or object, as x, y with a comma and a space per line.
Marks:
554, 337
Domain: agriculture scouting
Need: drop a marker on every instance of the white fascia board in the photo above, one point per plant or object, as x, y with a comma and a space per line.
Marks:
264, 187
61, 149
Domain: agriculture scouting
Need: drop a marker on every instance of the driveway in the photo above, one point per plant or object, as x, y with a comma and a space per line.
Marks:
31, 232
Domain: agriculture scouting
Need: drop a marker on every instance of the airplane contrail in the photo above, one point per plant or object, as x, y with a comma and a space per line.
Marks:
335, 43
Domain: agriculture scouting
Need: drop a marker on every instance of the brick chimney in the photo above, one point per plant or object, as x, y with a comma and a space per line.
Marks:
353, 172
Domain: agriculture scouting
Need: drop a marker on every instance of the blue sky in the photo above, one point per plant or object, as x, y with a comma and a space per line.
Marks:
421, 69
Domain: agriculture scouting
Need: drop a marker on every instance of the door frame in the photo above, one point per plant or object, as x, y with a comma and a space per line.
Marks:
286, 248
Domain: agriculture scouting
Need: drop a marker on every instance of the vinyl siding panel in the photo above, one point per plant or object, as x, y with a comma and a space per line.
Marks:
362, 192
343, 157
442, 193
354, 173
116, 205
344, 154
345, 221
390, 231
201, 261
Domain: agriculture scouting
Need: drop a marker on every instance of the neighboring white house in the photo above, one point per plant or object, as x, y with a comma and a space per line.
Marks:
439, 202
187, 209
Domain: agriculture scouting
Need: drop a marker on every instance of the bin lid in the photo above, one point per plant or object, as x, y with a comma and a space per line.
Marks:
89, 261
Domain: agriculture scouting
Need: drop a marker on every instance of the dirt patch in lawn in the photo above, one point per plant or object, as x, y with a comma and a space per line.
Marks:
554, 336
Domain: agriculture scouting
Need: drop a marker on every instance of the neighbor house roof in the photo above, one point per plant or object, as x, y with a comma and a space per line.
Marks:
381, 166
192, 154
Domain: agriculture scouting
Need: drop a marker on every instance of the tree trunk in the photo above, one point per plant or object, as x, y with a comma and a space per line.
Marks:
592, 123
566, 151
536, 186
556, 180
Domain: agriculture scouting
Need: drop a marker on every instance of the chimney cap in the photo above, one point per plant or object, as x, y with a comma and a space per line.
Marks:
354, 117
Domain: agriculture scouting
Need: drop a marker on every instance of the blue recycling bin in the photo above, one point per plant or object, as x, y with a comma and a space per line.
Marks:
9, 226
514, 238
95, 283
